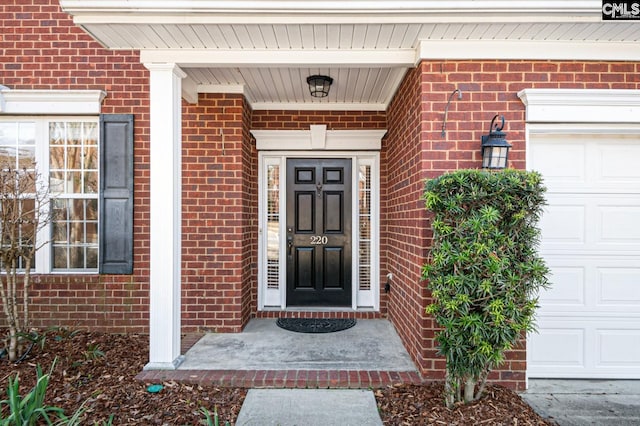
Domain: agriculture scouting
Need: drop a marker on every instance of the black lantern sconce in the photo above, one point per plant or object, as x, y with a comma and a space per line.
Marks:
319, 85
495, 148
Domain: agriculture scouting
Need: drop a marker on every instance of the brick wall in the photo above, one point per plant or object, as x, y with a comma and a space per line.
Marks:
404, 224
42, 49
301, 120
219, 214
415, 119
249, 218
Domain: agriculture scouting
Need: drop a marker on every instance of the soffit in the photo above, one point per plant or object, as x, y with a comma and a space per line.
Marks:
266, 49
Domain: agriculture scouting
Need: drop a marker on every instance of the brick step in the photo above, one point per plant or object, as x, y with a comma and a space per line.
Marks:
298, 379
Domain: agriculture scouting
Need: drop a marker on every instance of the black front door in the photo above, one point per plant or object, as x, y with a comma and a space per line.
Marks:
318, 232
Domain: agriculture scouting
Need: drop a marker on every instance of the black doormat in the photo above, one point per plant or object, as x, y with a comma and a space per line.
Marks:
315, 325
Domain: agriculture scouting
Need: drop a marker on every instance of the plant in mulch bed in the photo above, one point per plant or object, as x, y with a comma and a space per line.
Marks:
484, 271
23, 214
32, 409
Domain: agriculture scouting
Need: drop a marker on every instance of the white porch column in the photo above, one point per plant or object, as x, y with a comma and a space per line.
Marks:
165, 207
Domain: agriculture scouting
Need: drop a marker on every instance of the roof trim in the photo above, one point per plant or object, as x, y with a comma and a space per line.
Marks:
192, 58
328, 11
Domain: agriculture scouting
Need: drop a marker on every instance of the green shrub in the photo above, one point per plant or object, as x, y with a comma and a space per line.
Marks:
484, 271
30, 409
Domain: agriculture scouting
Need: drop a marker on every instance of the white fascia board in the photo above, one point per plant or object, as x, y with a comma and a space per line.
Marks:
26, 101
316, 106
581, 105
334, 11
516, 49
193, 58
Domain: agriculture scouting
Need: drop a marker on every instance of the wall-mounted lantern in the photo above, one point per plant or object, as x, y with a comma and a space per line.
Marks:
319, 85
495, 148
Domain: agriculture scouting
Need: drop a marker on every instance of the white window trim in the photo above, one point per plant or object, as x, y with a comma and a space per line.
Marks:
67, 102
39, 106
274, 147
44, 253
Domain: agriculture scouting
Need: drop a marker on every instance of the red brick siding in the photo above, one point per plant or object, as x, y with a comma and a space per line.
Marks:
489, 88
219, 197
42, 49
249, 218
403, 223
301, 120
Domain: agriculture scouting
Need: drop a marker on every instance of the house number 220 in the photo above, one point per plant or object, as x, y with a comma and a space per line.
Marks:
319, 240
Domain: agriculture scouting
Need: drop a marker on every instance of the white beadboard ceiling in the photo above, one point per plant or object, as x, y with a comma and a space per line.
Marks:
266, 49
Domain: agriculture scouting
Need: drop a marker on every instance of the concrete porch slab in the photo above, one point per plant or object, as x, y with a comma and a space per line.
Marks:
368, 355
372, 345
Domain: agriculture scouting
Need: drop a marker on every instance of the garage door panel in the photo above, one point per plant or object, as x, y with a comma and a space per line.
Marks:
593, 284
594, 162
567, 289
603, 223
619, 349
559, 162
574, 346
557, 347
617, 163
619, 287
589, 320
620, 223
563, 224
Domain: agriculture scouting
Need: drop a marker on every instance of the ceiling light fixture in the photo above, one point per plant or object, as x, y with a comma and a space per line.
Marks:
319, 85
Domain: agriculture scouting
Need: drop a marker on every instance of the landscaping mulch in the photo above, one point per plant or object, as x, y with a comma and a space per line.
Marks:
97, 371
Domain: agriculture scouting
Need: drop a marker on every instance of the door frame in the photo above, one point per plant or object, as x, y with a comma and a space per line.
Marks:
275, 298
363, 147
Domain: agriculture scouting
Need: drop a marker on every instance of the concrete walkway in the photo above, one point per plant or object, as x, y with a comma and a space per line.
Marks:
309, 407
586, 402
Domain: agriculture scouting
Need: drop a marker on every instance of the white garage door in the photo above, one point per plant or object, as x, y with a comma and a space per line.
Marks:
589, 321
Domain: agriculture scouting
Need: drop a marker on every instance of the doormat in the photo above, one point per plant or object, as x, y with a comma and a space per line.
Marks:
315, 325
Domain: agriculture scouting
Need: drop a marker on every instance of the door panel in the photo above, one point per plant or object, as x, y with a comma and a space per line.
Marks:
319, 232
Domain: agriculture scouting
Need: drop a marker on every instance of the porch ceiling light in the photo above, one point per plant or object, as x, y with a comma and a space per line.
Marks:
495, 148
319, 85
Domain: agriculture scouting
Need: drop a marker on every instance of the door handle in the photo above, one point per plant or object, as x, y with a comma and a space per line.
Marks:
290, 244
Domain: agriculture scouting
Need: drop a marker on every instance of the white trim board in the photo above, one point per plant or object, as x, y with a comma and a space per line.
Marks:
67, 102
581, 105
271, 299
318, 138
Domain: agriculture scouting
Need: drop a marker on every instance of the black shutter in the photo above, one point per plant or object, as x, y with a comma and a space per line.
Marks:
116, 194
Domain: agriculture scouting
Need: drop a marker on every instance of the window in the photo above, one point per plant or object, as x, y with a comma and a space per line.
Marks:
64, 152
73, 182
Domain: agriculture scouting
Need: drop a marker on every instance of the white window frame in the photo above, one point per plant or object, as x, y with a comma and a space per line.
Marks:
44, 255
42, 106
